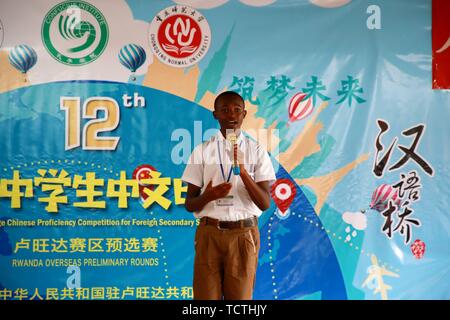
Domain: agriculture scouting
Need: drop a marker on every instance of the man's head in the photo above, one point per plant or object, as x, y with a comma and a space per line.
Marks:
229, 110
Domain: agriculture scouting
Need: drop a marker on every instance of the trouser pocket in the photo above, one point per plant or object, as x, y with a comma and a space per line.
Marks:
252, 240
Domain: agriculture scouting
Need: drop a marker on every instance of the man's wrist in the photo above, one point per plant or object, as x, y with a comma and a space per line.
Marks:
242, 170
207, 197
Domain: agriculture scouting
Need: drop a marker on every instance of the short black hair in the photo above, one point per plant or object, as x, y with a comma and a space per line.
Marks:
227, 94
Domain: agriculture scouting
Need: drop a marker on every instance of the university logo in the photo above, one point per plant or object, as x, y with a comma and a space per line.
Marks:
75, 33
179, 36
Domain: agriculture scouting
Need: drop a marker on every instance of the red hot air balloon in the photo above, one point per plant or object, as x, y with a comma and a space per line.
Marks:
299, 107
381, 197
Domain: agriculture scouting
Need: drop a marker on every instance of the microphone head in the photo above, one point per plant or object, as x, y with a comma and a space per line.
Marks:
232, 137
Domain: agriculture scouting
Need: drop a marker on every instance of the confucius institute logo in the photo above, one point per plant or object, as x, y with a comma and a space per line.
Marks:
75, 32
179, 36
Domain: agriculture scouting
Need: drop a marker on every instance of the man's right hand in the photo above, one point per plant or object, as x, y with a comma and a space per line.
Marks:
217, 192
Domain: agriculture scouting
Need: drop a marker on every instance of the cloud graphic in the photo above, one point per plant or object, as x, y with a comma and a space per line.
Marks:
257, 3
330, 3
357, 219
23, 23
202, 4
209, 4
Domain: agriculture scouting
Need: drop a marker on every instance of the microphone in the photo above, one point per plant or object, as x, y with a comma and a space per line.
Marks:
232, 138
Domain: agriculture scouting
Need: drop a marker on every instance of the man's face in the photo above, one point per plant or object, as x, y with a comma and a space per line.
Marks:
230, 112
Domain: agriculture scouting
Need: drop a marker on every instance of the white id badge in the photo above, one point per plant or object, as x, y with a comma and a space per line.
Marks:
225, 202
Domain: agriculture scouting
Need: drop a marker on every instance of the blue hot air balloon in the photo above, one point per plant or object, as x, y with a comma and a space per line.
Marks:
132, 56
23, 58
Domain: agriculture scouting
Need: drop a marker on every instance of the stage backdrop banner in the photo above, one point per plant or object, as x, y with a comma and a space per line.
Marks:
103, 101
441, 44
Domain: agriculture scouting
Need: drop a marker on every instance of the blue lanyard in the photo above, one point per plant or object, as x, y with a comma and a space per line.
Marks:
221, 166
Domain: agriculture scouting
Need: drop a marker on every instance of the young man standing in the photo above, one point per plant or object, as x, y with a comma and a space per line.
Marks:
227, 240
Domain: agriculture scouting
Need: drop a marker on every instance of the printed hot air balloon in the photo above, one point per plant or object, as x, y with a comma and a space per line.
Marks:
381, 197
299, 107
23, 58
132, 56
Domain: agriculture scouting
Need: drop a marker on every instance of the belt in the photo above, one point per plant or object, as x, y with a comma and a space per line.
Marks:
245, 223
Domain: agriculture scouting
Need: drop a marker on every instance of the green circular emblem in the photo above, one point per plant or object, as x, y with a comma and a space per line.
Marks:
75, 33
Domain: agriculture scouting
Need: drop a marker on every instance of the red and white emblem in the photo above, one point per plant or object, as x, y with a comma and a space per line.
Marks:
179, 36
418, 249
140, 173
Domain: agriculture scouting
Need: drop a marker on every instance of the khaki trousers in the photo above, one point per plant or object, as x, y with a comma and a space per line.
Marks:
225, 263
